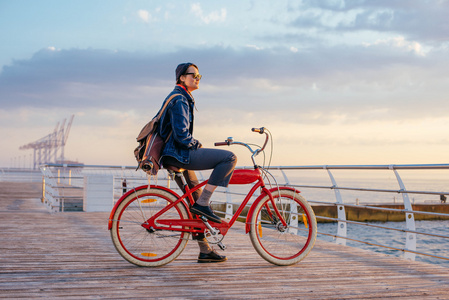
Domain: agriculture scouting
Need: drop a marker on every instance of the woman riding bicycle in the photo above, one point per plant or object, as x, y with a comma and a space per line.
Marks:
185, 152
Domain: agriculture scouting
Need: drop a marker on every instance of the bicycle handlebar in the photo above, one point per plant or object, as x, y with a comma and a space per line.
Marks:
259, 130
229, 141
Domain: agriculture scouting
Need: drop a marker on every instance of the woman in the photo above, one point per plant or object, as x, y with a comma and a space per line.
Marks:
184, 151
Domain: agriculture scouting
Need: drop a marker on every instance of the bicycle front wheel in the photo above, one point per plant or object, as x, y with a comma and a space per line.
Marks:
278, 244
141, 246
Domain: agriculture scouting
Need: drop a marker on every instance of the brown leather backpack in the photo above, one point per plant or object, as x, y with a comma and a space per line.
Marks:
148, 153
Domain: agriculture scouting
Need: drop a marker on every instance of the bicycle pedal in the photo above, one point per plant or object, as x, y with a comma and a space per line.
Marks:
221, 246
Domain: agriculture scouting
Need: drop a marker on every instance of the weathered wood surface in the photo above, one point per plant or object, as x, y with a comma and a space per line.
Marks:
70, 255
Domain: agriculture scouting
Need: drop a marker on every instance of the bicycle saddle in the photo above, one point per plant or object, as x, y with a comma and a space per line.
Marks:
174, 169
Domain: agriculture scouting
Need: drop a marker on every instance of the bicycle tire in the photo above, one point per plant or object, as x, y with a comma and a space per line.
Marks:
276, 244
138, 245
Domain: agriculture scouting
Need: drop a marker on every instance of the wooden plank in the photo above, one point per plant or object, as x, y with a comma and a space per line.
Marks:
70, 255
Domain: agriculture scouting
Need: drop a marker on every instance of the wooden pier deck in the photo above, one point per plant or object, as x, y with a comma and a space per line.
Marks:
70, 255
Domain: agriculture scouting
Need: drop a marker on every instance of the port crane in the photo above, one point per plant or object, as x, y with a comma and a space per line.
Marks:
50, 148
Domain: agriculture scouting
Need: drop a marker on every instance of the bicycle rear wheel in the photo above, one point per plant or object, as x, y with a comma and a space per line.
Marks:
281, 245
136, 244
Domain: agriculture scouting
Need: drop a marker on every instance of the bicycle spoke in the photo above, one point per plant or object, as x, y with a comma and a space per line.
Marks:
281, 244
147, 247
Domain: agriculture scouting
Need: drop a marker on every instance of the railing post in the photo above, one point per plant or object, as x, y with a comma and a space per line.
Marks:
293, 209
287, 182
169, 179
410, 241
293, 226
52, 198
43, 189
341, 226
229, 205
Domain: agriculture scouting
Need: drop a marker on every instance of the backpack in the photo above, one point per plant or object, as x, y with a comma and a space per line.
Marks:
148, 152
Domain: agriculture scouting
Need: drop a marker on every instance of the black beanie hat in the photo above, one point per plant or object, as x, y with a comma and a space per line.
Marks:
181, 69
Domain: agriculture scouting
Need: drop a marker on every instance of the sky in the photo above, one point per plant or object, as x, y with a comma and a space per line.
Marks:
335, 81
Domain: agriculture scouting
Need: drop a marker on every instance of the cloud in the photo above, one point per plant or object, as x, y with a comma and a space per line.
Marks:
144, 15
417, 20
323, 75
400, 42
65, 78
153, 16
388, 76
213, 17
336, 93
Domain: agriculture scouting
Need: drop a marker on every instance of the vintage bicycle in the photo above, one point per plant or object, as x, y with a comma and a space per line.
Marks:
151, 225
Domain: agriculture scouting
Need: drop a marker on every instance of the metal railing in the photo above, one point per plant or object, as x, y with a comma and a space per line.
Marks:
64, 183
317, 183
410, 231
20, 175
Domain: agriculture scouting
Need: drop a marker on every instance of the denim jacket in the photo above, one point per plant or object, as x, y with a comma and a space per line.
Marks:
178, 118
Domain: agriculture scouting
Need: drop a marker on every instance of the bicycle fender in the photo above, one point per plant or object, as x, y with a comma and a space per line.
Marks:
133, 191
263, 195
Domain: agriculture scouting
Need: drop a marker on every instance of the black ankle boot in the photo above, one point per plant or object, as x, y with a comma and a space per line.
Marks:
212, 257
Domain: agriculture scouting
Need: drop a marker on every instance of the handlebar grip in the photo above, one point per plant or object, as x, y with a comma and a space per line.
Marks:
259, 130
221, 144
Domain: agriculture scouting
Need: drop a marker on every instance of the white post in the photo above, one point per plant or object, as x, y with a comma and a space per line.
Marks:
229, 205
341, 226
410, 242
293, 224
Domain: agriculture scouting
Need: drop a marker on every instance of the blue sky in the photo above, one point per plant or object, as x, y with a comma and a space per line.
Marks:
336, 82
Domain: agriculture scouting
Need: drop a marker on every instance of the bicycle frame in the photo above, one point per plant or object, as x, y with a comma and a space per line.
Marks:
241, 176
198, 226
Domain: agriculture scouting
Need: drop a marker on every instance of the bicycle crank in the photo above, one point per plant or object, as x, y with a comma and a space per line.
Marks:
213, 235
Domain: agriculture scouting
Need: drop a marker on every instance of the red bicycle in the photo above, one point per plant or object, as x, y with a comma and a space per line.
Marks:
151, 225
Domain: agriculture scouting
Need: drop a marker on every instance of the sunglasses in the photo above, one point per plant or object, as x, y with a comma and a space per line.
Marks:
195, 76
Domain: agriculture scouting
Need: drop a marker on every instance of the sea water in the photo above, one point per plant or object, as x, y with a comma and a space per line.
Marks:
427, 244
